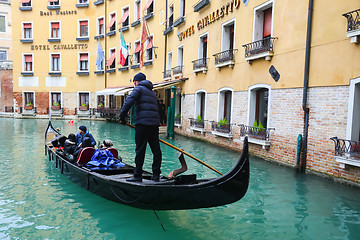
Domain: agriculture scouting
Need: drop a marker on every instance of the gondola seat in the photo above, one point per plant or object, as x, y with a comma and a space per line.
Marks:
114, 152
85, 155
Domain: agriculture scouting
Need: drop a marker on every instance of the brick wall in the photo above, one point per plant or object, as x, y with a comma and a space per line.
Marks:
6, 91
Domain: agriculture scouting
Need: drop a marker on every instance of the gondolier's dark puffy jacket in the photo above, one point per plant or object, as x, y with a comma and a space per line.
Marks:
146, 105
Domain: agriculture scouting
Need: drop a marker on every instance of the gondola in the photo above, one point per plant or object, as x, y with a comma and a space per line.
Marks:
181, 192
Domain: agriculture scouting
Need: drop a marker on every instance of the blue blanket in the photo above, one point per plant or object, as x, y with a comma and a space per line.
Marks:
103, 159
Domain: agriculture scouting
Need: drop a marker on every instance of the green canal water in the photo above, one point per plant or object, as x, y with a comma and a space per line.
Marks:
37, 202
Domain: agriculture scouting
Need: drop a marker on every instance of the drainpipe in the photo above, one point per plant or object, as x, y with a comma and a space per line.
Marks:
105, 38
302, 165
166, 5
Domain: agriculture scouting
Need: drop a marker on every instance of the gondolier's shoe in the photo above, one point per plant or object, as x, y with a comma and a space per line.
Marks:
155, 178
134, 179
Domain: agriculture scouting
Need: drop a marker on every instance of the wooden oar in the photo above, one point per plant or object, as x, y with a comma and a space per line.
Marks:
187, 154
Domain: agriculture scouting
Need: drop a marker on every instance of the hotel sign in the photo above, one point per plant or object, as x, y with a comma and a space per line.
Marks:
58, 12
212, 17
60, 46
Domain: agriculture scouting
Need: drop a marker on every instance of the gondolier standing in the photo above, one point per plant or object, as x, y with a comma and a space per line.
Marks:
147, 125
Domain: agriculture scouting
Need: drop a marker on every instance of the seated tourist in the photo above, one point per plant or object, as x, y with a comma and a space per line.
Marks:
83, 133
106, 144
70, 146
87, 142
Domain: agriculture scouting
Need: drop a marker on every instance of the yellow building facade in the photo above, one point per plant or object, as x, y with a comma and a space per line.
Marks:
270, 70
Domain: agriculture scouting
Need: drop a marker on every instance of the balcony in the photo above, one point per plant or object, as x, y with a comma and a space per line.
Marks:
256, 135
167, 74
200, 65
347, 152
108, 113
201, 4
225, 58
197, 125
353, 25
260, 49
221, 129
177, 71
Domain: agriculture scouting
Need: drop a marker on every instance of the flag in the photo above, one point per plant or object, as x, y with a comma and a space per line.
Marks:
144, 36
124, 52
99, 57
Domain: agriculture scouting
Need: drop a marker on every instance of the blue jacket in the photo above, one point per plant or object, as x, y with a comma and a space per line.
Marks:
80, 138
146, 105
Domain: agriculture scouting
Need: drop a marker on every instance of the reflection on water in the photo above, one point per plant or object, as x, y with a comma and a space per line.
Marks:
37, 202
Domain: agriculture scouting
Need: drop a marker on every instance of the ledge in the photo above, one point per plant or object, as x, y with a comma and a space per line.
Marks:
135, 66
53, 7
26, 40
344, 161
123, 29
99, 37
54, 40
134, 24
98, 2
203, 70
110, 70
82, 39
353, 35
148, 63
222, 134
179, 21
82, 73
196, 129
82, 5
25, 8
111, 33
27, 74
150, 15
265, 144
266, 55
230, 64
99, 72
201, 5
179, 125
55, 73
168, 30
123, 69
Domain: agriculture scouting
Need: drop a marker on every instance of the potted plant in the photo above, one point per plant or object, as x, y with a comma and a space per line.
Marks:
84, 107
223, 125
28, 106
178, 118
100, 105
258, 130
199, 122
56, 106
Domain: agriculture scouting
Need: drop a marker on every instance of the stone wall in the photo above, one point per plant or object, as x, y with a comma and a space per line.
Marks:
6, 88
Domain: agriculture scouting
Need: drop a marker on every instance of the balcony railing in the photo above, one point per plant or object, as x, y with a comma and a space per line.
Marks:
177, 121
196, 123
109, 113
353, 20
220, 127
225, 56
167, 74
258, 47
200, 64
346, 147
178, 70
255, 132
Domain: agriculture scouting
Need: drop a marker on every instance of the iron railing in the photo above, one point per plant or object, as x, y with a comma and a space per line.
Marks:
177, 70
167, 74
9, 109
109, 113
200, 63
196, 123
220, 127
257, 47
255, 132
177, 121
353, 20
225, 56
345, 147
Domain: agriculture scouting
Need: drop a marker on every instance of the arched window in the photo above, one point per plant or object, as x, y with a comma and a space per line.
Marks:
259, 96
200, 103
225, 104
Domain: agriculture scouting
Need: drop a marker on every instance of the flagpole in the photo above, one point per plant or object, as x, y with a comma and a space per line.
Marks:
105, 50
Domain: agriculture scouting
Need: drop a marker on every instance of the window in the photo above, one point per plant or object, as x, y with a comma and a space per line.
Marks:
259, 105
54, 30
54, 2
25, 3
180, 56
137, 11
203, 47
149, 48
137, 52
263, 21
29, 99
227, 42
3, 55
200, 101
126, 64
100, 26
84, 100
2, 23
225, 104
83, 1
169, 61
125, 17
55, 99
112, 22
171, 15
27, 30
28, 63
353, 123
83, 62
83, 28
55, 64
149, 7
112, 60
182, 8
101, 101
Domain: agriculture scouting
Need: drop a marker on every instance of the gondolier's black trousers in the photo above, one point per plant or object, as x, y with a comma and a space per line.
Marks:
143, 135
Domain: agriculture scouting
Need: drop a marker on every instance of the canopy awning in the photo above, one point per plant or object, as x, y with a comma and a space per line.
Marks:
166, 84
147, 5
109, 91
124, 17
111, 60
25, 1
111, 23
123, 91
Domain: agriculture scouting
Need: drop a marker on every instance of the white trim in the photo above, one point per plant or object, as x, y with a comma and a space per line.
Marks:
250, 101
54, 5
260, 20
200, 48
61, 97
24, 64
88, 62
220, 92
5, 23
79, 30
136, 10
135, 45
196, 112
23, 30
78, 98
50, 29
230, 22
152, 49
87, 2
110, 49
169, 61
177, 55
116, 21
181, 8
98, 25
26, 6
123, 12
23, 97
51, 62
351, 105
